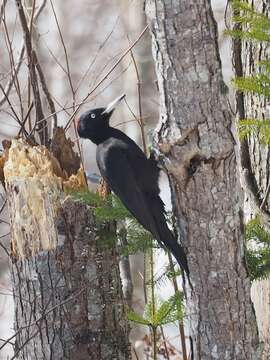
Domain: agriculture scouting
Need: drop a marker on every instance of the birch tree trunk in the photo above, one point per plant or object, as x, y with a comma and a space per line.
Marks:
66, 283
195, 144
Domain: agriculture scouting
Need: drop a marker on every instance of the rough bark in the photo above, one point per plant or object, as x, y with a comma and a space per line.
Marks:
258, 107
67, 289
196, 146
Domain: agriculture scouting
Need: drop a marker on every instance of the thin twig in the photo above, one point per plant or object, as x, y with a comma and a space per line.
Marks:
2, 9
4, 235
30, 26
139, 102
124, 265
42, 6
23, 345
5, 249
9, 342
13, 110
3, 205
66, 53
73, 91
12, 65
113, 80
165, 343
4, 221
54, 57
103, 68
131, 111
140, 123
135, 353
40, 319
43, 134
45, 90
180, 323
101, 46
15, 71
26, 117
265, 196
128, 121
106, 75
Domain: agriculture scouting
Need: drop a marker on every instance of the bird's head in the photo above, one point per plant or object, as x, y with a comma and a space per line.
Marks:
94, 123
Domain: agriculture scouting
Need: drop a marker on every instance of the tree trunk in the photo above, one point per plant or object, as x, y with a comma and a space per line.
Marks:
196, 147
67, 289
259, 160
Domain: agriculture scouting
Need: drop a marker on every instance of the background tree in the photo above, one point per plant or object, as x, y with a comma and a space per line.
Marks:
251, 62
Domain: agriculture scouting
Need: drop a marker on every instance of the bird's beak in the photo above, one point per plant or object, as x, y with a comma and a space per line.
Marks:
112, 105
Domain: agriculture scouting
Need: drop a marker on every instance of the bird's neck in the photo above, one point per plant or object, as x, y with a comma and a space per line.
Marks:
102, 135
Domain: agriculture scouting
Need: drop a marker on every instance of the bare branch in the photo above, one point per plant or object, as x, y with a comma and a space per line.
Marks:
12, 64
66, 54
101, 46
55, 58
32, 18
3, 246
106, 75
43, 133
17, 67
141, 123
13, 110
14, 73
26, 117
2, 9
46, 90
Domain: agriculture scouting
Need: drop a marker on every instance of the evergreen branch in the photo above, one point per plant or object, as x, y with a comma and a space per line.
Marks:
257, 250
260, 127
139, 239
109, 209
257, 25
166, 275
254, 35
166, 312
137, 318
258, 84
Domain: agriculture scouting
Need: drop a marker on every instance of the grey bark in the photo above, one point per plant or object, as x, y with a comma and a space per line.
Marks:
66, 282
196, 146
259, 158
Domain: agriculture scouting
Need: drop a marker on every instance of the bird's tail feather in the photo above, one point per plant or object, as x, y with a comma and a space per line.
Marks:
164, 235
167, 238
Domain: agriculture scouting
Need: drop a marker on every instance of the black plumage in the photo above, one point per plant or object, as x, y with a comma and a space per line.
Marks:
130, 174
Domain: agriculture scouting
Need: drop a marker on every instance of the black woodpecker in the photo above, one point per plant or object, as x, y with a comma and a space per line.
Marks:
130, 174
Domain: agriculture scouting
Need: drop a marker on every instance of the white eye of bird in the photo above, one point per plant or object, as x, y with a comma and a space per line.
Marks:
93, 116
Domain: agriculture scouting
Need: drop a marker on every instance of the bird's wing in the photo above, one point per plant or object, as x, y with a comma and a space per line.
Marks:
116, 168
121, 170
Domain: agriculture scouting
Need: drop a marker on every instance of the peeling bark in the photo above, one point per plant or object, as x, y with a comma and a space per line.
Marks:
66, 283
62, 149
195, 144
